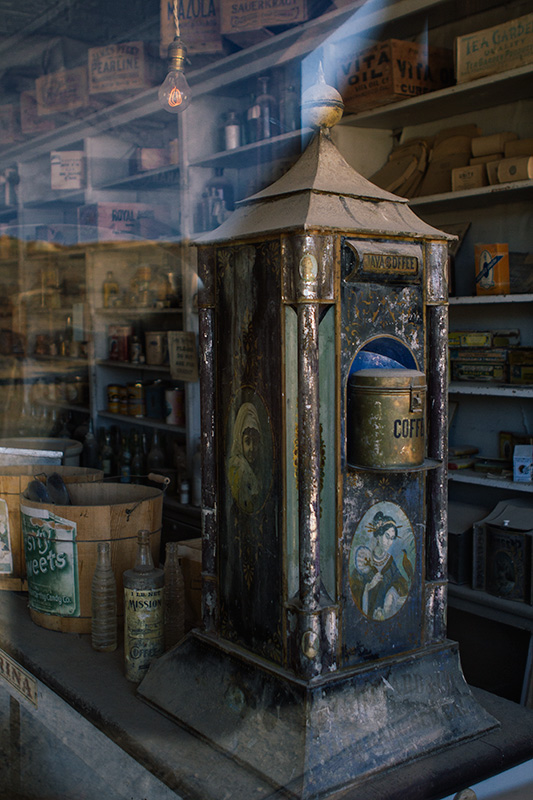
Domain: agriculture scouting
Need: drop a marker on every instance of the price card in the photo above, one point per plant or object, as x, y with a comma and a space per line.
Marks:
182, 355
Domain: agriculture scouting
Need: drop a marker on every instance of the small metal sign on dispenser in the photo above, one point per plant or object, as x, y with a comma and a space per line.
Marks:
323, 658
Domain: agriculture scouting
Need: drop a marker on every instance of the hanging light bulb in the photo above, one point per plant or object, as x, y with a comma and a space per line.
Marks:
174, 93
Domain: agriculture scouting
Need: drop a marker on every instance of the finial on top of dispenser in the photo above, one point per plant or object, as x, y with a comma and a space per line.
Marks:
322, 105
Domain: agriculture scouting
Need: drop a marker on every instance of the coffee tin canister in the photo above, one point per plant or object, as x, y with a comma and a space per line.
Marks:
386, 418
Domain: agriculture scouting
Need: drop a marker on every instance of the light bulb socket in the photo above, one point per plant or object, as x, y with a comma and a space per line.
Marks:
177, 54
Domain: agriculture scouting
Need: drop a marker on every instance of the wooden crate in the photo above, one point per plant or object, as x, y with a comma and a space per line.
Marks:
65, 90
30, 121
385, 72
199, 26
503, 47
119, 67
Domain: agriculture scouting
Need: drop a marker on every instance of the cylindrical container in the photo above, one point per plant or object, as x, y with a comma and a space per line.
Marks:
136, 399
24, 450
113, 398
386, 418
13, 481
123, 400
175, 407
104, 602
143, 611
60, 546
156, 349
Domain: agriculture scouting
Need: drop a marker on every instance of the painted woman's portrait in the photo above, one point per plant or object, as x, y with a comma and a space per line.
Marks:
382, 559
249, 455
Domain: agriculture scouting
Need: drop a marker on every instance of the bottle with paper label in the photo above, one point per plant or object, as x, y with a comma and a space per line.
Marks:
143, 611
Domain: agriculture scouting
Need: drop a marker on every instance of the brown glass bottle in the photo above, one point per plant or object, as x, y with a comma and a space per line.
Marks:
143, 611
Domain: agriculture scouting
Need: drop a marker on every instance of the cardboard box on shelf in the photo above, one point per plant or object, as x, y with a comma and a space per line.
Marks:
521, 365
67, 169
523, 463
515, 169
521, 272
119, 67
451, 149
384, 72
470, 339
199, 25
247, 23
494, 143
487, 366
64, 90
469, 177
497, 49
122, 221
518, 147
147, 158
492, 268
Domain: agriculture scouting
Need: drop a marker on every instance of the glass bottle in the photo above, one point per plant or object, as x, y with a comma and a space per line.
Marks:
137, 458
174, 596
110, 291
289, 110
262, 117
104, 602
91, 452
125, 461
220, 196
143, 611
107, 456
232, 131
156, 455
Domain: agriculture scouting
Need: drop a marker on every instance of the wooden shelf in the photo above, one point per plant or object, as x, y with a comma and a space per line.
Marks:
146, 422
479, 479
476, 198
490, 389
488, 299
136, 367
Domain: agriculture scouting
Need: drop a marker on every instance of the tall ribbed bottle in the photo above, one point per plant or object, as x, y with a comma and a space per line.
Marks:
174, 613
104, 602
143, 611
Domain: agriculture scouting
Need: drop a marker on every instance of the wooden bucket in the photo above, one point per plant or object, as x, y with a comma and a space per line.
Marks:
61, 547
13, 481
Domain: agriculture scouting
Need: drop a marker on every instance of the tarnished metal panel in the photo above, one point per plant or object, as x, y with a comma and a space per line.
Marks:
248, 454
437, 509
437, 259
435, 602
308, 268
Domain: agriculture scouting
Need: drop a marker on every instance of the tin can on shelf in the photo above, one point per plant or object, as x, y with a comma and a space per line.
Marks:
175, 407
113, 398
123, 399
386, 418
136, 399
156, 347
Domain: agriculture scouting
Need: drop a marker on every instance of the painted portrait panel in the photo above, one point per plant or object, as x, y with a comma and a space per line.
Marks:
382, 559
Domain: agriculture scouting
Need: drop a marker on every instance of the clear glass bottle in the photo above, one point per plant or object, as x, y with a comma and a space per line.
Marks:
138, 468
174, 596
156, 455
221, 198
104, 602
289, 110
143, 611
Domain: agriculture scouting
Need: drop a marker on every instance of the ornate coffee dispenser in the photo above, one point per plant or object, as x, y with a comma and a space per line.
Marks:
323, 659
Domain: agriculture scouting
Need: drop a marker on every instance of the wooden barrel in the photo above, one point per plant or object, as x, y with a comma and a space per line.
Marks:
13, 481
60, 544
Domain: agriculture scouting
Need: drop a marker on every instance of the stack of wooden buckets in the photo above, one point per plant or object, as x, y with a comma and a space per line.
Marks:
50, 550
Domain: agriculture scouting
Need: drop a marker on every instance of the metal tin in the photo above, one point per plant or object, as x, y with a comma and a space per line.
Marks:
386, 418
156, 347
175, 407
123, 399
136, 399
113, 398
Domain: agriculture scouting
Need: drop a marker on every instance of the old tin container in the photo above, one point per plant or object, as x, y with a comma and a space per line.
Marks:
386, 418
